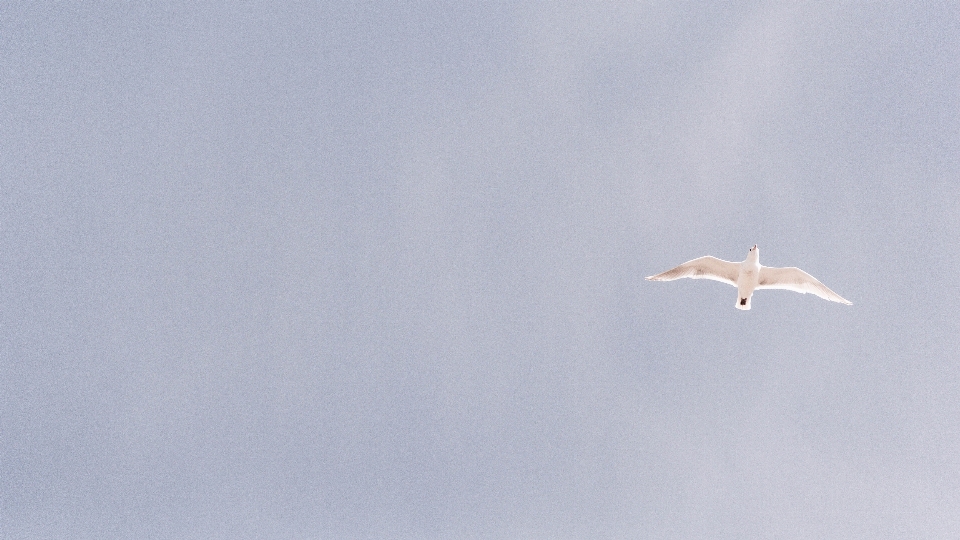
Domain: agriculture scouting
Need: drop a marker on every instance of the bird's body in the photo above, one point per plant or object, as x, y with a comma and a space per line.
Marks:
748, 276
748, 279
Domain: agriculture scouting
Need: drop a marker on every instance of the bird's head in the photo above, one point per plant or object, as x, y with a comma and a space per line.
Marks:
754, 252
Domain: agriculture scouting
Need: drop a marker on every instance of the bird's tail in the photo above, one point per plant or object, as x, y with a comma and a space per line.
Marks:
744, 303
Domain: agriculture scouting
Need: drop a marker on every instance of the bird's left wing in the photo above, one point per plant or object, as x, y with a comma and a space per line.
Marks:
796, 280
703, 268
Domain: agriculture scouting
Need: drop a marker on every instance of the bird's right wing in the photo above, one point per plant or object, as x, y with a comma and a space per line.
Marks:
796, 280
703, 268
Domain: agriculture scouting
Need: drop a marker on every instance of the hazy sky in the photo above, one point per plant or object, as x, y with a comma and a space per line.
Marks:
374, 269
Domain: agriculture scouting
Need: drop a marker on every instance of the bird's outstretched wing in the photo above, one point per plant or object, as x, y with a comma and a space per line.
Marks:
795, 279
703, 268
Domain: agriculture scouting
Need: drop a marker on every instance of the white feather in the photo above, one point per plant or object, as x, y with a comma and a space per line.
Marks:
796, 280
703, 268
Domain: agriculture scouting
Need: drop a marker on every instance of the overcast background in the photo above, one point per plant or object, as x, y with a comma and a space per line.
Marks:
374, 269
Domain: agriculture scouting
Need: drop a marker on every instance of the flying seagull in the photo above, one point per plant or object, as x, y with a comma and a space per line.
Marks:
749, 276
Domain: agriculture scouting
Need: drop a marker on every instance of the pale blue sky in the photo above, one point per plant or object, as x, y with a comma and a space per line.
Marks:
375, 270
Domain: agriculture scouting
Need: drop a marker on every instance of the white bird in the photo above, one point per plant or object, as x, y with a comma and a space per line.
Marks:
749, 276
